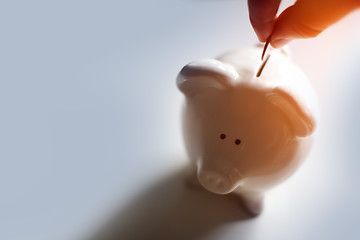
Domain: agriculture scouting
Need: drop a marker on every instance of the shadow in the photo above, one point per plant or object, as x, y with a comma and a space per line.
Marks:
170, 209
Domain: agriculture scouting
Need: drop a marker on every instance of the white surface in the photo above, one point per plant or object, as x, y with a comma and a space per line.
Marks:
90, 124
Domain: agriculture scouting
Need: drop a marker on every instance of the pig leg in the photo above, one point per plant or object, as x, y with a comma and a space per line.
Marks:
252, 201
192, 178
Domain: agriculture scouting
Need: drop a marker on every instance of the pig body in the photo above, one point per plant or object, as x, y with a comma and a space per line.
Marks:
245, 134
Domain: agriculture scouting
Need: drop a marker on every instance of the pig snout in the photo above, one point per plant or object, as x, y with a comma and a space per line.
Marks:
215, 182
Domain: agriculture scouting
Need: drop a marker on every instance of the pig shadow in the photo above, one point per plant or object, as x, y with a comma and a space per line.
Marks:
172, 209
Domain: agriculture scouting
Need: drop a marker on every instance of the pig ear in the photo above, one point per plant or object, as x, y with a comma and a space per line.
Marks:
205, 74
300, 119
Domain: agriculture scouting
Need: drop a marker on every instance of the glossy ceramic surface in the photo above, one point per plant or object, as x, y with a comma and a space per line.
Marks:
246, 134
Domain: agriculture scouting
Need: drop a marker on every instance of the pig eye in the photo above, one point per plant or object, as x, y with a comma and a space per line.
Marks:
222, 136
237, 141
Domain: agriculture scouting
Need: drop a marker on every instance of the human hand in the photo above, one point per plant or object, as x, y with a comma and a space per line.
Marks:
305, 19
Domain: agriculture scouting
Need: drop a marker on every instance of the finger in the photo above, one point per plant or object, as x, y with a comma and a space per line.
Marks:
262, 15
308, 18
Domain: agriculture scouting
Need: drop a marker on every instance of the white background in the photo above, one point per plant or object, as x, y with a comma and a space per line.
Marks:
90, 138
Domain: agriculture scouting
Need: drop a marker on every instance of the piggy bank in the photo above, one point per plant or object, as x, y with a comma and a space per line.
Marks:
246, 133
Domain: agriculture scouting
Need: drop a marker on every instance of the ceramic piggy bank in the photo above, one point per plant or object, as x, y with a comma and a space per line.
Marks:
245, 134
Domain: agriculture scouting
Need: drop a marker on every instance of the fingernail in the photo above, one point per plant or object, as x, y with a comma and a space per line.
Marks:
278, 43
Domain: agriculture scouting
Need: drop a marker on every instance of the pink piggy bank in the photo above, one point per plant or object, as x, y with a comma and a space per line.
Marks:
245, 134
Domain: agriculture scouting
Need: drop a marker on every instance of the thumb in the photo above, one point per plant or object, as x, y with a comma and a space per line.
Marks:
308, 18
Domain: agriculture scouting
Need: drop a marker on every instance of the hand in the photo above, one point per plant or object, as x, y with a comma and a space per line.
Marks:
305, 19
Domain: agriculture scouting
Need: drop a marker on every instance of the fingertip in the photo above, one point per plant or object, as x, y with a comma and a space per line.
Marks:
262, 35
306, 19
279, 43
283, 27
263, 30
262, 14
